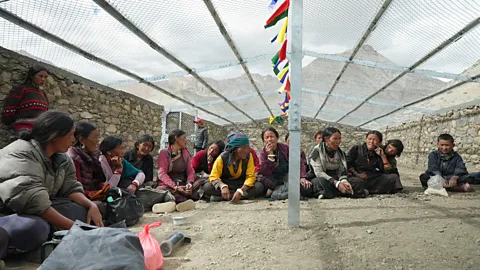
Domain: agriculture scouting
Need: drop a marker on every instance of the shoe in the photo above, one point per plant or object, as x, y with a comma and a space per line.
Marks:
166, 207
2, 265
320, 197
365, 191
185, 206
214, 198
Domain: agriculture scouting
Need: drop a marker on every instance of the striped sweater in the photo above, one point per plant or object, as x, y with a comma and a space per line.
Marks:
22, 106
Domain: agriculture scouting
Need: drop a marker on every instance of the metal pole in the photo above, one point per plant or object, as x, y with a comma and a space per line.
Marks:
195, 128
294, 118
164, 138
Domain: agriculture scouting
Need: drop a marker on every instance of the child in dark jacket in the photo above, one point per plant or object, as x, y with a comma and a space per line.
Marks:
448, 164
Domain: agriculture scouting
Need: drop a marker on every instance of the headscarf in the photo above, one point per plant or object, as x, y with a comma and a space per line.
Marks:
234, 140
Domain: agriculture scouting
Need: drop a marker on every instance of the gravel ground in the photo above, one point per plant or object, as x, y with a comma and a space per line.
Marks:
409, 230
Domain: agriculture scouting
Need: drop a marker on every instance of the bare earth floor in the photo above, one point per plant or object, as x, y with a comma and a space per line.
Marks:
403, 231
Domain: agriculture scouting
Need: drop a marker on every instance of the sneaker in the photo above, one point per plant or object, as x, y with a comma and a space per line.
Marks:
320, 197
185, 206
2, 264
365, 191
214, 198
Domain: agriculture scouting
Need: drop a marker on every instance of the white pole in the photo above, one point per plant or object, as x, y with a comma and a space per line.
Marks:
294, 118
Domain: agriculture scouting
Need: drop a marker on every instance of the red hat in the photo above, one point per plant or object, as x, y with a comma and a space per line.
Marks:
198, 120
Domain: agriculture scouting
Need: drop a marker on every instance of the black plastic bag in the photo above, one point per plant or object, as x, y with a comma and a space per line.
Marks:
88, 247
124, 206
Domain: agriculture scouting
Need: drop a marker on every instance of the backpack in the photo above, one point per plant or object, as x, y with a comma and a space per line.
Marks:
123, 206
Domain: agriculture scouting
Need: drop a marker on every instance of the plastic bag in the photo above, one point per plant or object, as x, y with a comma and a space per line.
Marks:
435, 186
151, 249
86, 247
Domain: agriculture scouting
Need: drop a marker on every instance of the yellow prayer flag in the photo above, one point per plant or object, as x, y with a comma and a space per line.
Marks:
283, 31
271, 119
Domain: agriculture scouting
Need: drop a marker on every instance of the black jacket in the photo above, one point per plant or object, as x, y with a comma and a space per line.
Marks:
145, 164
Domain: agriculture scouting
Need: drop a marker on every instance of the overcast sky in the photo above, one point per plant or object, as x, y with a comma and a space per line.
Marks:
407, 31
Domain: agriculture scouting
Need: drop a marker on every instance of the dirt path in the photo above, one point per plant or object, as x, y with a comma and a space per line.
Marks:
404, 231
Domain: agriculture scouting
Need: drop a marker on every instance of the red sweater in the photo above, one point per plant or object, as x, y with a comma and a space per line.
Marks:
22, 106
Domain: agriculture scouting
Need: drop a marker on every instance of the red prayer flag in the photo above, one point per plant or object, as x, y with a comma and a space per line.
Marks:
280, 13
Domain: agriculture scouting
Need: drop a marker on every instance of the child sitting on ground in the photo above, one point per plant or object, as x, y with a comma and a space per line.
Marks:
448, 164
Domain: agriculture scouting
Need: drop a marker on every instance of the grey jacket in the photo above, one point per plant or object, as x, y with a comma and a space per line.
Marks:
201, 138
28, 180
318, 160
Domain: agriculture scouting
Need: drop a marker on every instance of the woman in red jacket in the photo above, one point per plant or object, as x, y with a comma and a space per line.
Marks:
175, 171
204, 159
26, 102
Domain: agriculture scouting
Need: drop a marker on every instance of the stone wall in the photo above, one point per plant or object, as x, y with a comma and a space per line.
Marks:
350, 136
114, 112
420, 137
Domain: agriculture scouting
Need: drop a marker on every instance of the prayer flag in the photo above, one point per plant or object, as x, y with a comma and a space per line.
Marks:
282, 74
281, 35
285, 104
282, 54
279, 14
272, 5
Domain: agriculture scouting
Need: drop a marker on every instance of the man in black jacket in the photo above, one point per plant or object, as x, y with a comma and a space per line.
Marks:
448, 164
201, 137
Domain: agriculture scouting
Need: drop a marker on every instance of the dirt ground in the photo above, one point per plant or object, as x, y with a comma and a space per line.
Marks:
409, 230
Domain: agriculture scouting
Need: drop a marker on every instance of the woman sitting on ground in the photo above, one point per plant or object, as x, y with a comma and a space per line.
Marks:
85, 154
120, 173
38, 184
392, 150
329, 164
367, 161
203, 161
233, 173
140, 157
175, 171
273, 174
26, 102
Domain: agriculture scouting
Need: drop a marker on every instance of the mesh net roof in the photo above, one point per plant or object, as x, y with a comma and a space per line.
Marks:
421, 57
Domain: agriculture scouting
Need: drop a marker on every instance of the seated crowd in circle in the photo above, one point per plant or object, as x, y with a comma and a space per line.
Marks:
59, 171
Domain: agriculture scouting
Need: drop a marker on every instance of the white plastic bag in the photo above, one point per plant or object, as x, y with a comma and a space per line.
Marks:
435, 186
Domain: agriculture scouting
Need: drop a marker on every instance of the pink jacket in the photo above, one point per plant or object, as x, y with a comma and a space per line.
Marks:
164, 157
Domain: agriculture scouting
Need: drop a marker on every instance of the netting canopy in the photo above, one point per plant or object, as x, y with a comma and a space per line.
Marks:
367, 63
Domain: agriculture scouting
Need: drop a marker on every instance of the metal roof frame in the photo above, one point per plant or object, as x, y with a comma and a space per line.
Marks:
362, 40
308, 90
140, 34
373, 64
226, 35
440, 47
57, 40
337, 58
419, 100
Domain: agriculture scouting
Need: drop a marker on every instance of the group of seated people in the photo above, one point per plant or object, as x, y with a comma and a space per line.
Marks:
50, 176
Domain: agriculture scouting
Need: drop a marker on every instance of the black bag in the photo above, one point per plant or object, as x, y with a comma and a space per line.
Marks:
88, 247
125, 206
